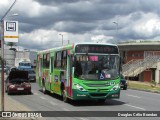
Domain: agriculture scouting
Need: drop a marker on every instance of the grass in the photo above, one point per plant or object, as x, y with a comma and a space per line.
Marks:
143, 86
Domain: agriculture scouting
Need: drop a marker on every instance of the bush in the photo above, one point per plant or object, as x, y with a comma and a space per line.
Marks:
153, 83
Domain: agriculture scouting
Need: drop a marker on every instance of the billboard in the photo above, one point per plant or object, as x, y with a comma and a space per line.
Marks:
11, 31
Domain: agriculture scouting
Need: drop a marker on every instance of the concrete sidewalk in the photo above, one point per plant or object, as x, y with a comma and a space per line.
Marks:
13, 105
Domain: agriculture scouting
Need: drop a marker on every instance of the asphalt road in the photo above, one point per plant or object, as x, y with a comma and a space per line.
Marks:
130, 100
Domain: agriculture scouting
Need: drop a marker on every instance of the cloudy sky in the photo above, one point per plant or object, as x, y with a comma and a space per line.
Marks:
42, 21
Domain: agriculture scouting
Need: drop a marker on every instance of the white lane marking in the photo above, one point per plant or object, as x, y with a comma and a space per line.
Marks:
65, 109
42, 97
135, 107
133, 96
83, 118
53, 103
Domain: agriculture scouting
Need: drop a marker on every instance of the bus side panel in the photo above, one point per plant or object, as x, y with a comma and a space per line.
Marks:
56, 82
46, 78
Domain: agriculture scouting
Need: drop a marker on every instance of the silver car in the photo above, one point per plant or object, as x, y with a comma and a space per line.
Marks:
32, 75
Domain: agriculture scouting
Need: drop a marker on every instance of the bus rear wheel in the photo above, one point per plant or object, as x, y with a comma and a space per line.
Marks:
44, 88
64, 96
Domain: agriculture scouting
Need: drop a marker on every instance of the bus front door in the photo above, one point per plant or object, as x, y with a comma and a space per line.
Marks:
69, 76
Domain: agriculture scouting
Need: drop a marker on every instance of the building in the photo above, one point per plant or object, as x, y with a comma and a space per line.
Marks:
10, 55
141, 60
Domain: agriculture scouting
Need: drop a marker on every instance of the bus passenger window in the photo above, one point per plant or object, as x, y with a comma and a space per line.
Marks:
58, 60
64, 63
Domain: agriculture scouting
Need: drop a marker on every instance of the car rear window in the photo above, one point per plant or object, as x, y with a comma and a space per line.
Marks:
18, 74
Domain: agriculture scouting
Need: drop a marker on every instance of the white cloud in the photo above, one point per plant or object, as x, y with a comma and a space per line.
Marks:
148, 25
4, 2
29, 7
45, 39
41, 38
101, 38
41, 21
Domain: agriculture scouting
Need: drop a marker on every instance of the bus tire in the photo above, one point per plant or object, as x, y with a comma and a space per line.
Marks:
64, 96
43, 88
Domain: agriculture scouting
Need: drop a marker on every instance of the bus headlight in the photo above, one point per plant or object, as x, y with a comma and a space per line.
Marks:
116, 87
79, 87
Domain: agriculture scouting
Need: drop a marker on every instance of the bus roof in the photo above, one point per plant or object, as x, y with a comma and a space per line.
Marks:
72, 45
89, 43
55, 49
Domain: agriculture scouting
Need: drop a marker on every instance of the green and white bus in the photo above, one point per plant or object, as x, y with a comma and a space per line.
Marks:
80, 71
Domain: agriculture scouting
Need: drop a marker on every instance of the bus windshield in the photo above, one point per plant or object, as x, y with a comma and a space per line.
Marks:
96, 67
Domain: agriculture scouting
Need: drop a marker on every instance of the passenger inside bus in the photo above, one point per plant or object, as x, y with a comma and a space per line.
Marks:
94, 69
90, 66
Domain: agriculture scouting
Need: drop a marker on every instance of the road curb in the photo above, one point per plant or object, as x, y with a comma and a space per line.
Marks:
11, 105
152, 91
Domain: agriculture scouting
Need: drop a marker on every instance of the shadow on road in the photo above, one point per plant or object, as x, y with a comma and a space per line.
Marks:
97, 103
81, 103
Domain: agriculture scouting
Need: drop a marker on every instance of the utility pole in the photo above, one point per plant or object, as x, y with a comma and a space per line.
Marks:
2, 66
2, 55
116, 30
116, 27
62, 38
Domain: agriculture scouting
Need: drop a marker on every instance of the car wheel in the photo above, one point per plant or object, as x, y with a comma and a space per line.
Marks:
30, 93
125, 88
8, 92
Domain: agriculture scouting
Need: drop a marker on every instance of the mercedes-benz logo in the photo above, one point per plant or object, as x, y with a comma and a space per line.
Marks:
98, 90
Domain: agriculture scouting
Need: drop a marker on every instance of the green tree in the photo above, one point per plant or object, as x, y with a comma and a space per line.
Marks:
11, 44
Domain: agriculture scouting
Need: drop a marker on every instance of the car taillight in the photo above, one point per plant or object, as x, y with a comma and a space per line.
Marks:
28, 85
12, 86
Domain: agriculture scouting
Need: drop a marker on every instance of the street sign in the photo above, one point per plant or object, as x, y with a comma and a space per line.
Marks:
11, 31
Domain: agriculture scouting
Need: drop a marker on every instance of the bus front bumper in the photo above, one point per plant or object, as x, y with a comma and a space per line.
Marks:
82, 95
